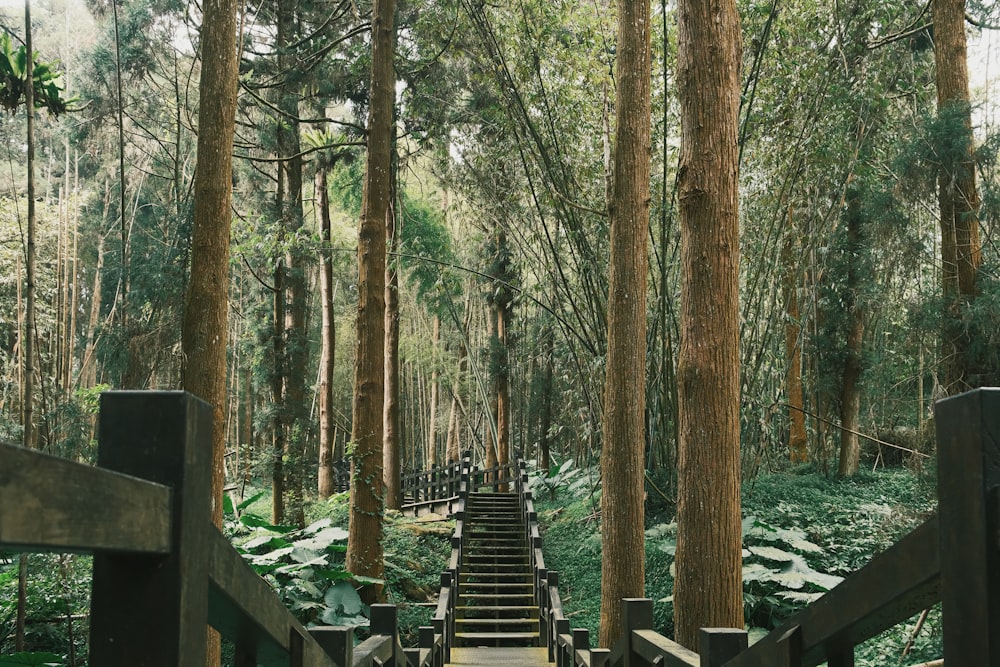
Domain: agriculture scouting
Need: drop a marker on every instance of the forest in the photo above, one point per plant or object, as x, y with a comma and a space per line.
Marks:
490, 163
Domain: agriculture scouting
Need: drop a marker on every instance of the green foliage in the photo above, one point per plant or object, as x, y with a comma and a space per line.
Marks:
306, 566
22, 659
802, 534
48, 86
58, 588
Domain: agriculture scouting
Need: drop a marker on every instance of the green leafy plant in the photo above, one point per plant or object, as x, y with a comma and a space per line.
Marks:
305, 566
48, 87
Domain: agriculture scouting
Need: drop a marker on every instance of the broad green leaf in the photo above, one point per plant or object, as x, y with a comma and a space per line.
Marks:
251, 500
342, 596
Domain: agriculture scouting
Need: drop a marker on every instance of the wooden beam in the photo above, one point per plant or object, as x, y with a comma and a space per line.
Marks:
153, 610
896, 584
968, 427
48, 503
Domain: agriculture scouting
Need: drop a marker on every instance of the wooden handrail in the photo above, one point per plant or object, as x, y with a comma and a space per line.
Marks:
162, 572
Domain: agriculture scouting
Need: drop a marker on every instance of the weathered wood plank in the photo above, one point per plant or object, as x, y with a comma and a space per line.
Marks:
650, 645
48, 503
243, 607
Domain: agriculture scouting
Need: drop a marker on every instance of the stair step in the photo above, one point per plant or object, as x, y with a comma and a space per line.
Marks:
495, 636
493, 597
516, 611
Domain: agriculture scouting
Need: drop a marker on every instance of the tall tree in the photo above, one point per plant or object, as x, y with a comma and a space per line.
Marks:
391, 443
959, 202
205, 327
798, 450
364, 542
623, 568
708, 590
850, 388
328, 337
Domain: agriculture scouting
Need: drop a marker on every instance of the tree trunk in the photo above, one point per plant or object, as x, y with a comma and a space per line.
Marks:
960, 246
327, 424
364, 544
205, 327
708, 589
431, 456
623, 569
545, 419
798, 449
291, 219
492, 454
850, 388
277, 381
503, 302
391, 437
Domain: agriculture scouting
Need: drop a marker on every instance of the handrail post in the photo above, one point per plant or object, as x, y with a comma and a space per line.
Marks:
337, 642
150, 610
968, 426
581, 642
716, 646
383, 622
637, 614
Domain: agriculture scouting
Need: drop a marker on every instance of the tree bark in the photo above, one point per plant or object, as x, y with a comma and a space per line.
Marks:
623, 570
961, 254
205, 327
364, 544
328, 336
798, 449
291, 219
850, 387
431, 455
391, 437
708, 589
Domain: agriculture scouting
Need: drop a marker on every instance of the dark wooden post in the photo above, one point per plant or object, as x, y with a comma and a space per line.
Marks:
153, 610
637, 614
968, 436
788, 649
383, 622
581, 642
337, 642
716, 646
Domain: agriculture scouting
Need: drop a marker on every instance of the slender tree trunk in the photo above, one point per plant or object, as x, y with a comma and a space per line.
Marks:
798, 448
278, 439
708, 589
432, 457
623, 571
28, 346
327, 423
291, 215
364, 544
850, 388
492, 454
391, 436
960, 246
503, 302
545, 420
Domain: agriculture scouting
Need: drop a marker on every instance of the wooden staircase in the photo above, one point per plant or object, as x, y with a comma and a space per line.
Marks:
496, 603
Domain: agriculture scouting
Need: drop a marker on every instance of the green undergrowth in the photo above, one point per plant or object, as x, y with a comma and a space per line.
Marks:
306, 566
802, 533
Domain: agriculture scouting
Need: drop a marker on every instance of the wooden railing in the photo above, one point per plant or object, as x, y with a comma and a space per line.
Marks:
436, 641
433, 490
952, 558
162, 572
437, 489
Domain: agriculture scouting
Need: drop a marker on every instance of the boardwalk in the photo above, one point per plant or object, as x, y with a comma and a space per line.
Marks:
514, 656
